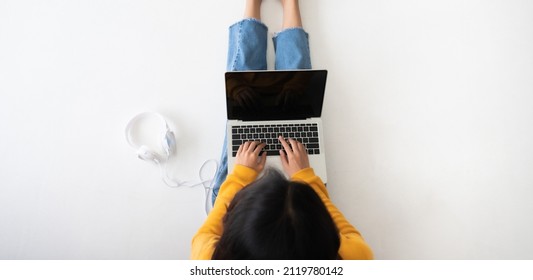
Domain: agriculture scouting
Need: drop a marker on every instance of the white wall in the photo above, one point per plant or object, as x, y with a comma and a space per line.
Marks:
428, 118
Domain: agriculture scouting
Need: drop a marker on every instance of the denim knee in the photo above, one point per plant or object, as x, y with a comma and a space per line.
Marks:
247, 45
292, 49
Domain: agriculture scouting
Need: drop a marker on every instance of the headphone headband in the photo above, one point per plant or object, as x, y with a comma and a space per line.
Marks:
168, 142
136, 119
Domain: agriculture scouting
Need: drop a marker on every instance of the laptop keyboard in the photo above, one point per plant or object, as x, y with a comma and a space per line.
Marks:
306, 134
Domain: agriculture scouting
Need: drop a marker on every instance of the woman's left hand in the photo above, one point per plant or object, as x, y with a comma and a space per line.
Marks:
249, 156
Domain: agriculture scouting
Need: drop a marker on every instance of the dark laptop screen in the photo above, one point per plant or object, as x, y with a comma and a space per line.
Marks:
275, 95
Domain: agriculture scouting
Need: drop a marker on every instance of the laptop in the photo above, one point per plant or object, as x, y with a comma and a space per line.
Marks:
262, 105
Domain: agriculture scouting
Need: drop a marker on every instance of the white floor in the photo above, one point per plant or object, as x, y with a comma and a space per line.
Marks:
428, 118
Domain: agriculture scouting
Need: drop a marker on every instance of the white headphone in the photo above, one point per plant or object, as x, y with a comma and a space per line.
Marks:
168, 140
168, 143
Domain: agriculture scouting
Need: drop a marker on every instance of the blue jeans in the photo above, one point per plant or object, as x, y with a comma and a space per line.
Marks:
247, 51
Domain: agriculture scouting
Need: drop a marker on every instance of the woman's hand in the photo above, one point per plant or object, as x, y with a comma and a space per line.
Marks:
293, 157
248, 155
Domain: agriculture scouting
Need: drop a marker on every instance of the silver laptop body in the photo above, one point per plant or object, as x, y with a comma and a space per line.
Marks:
261, 105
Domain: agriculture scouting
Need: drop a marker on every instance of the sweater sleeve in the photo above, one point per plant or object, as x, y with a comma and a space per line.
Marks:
353, 246
206, 238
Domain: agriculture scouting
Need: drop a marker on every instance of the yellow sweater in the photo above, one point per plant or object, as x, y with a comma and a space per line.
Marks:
204, 241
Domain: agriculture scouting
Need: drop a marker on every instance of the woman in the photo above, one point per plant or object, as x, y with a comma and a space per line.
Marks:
272, 217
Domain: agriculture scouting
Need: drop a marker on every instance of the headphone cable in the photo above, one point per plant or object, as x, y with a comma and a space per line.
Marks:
207, 184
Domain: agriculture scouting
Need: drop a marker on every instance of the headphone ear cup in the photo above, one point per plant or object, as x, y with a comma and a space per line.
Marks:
169, 142
145, 153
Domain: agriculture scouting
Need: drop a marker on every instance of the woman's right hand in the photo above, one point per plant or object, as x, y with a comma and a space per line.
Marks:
294, 156
250, 155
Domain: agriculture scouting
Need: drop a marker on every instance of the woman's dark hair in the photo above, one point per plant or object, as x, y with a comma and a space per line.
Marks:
273, 218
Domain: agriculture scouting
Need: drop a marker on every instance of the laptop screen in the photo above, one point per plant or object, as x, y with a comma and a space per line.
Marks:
275, 95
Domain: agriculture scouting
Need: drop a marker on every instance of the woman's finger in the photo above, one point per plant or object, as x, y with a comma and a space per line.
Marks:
259, 148
245, 146
251, 146
262, 161
301, 147
284, 144
294, 145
